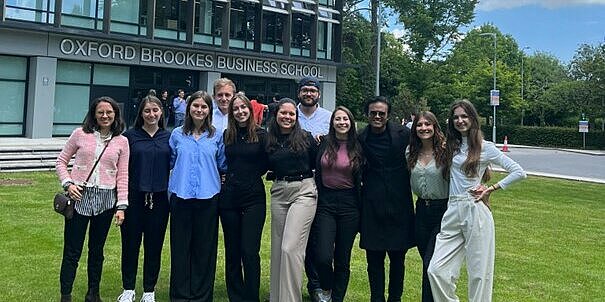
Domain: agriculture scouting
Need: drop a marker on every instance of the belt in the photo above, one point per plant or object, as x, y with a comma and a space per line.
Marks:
298, 177
433, 202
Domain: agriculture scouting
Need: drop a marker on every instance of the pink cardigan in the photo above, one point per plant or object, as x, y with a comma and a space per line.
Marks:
113, 166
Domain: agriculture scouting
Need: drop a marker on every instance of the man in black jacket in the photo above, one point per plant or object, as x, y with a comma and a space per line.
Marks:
387, 213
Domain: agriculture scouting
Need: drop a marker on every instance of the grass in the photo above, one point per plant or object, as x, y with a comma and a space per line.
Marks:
550, 246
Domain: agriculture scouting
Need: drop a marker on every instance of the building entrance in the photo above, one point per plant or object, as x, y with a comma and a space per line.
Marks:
264, 89
142, 79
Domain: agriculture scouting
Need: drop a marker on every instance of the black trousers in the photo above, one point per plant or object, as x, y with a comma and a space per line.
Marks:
337, 224
73, 242
428, 224
376, 274
310, 266
146, 214
193, 244
242, 230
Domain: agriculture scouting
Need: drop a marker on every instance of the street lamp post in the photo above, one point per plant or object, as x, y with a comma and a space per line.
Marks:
494, 66
378, 48
522, 83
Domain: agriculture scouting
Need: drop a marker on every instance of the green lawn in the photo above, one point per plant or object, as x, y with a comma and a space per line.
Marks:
550, 246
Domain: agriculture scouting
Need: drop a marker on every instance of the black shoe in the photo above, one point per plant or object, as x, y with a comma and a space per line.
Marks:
66, 298
92, 297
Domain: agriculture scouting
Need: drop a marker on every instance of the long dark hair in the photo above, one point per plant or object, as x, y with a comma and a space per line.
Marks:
297, 139
89, 125
438, 143
139, 122
354, 149
470, 167
188, 125
231, 132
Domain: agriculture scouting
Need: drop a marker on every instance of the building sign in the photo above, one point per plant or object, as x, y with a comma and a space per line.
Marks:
122, 53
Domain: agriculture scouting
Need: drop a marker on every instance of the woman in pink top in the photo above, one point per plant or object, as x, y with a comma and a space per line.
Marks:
103, 196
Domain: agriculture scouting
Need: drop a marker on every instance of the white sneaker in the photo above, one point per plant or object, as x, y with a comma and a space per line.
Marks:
148, 297
126, 296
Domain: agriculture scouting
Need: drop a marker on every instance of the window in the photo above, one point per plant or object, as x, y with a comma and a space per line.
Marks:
129, 17
40, 11
326, 25
243, 24
330, 3
13, 76
171, 19
208, 22
82, 13
273, 28
72, 93
301, 35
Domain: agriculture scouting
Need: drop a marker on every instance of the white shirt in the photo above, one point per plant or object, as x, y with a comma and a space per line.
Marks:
317, 123
219, 120
460, 184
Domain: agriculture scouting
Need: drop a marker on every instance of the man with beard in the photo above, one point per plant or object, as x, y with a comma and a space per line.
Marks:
224, 90
311, 117
387, 213
316, 120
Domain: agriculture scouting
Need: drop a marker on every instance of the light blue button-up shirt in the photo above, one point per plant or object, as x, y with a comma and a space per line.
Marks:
318, 123
196, 164
219, 120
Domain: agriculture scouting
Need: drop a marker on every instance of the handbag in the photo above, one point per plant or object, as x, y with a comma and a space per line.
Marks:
63, 204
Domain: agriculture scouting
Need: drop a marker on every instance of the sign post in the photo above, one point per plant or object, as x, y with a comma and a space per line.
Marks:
494, 100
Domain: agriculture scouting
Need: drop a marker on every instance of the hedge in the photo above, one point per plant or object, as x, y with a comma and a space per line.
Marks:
547, 136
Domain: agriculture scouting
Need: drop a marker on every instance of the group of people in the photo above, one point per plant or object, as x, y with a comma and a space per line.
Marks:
329, 183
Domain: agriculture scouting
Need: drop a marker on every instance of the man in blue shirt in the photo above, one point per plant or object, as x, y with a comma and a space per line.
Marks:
316, 120
179, 104
311, 116
224, 90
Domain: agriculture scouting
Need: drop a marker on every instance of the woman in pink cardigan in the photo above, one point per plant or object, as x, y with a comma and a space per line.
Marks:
103, 196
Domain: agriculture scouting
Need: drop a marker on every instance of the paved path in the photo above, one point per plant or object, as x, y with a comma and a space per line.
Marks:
560, 163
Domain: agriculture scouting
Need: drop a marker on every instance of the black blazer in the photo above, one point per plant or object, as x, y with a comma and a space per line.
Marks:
387, 212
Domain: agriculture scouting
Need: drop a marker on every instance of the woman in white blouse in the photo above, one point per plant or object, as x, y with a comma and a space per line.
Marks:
429, 175
467, 228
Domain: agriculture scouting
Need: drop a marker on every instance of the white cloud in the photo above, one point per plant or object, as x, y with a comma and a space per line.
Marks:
398, 32
489, 5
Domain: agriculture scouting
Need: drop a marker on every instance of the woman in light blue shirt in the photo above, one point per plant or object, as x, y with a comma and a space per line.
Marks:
197, 159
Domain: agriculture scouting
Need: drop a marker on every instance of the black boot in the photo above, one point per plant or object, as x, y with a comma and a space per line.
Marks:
66, 298
92, 297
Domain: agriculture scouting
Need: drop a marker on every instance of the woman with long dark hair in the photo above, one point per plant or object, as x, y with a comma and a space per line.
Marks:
149, 168
197, 158
338, 178
292, 153
467, 229
100, 191
429, 180
242, 206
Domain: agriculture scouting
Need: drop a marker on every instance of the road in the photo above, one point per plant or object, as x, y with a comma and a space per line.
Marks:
551, 161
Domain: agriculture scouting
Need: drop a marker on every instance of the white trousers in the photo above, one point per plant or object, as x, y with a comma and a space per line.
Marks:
293, 205
467, 232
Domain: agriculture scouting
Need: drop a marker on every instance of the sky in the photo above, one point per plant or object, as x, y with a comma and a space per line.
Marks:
557, 27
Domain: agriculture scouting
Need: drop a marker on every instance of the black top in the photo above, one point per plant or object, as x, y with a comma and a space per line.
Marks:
285, 162
378, 145
149, 163
246, 162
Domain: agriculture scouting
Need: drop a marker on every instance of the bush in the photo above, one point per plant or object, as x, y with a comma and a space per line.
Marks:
547, 136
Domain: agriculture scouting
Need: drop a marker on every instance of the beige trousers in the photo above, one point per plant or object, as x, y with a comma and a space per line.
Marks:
293, 205
467, 232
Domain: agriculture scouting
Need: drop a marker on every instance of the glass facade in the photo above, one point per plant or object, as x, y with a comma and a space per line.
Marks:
74, 84
129, 17
13, 84
293, 28
40, 11
82, 13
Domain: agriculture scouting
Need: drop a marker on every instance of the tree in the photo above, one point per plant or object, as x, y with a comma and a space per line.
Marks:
588, 66
432, 25
544, 71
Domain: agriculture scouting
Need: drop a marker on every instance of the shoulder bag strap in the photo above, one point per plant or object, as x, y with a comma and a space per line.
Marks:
98, 159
